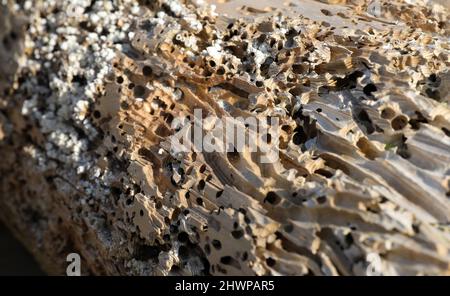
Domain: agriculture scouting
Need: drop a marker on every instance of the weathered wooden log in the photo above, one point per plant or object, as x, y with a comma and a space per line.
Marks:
351, 175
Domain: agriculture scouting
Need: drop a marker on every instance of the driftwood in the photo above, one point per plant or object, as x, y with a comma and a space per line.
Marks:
357, 180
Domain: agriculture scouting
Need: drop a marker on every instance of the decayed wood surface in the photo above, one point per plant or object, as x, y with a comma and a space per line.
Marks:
90, 92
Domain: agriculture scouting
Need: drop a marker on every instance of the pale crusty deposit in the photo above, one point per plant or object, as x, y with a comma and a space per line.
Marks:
361, 90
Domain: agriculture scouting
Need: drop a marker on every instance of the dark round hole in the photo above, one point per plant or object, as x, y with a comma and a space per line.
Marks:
226, 260
201, 185
270, 262
139, 91
237, 234
147, 71
289, 227
216, 244
321, 199
220, 71
183, 237
271, 198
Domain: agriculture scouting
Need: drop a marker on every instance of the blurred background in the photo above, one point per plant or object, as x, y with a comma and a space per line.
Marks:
14, 258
